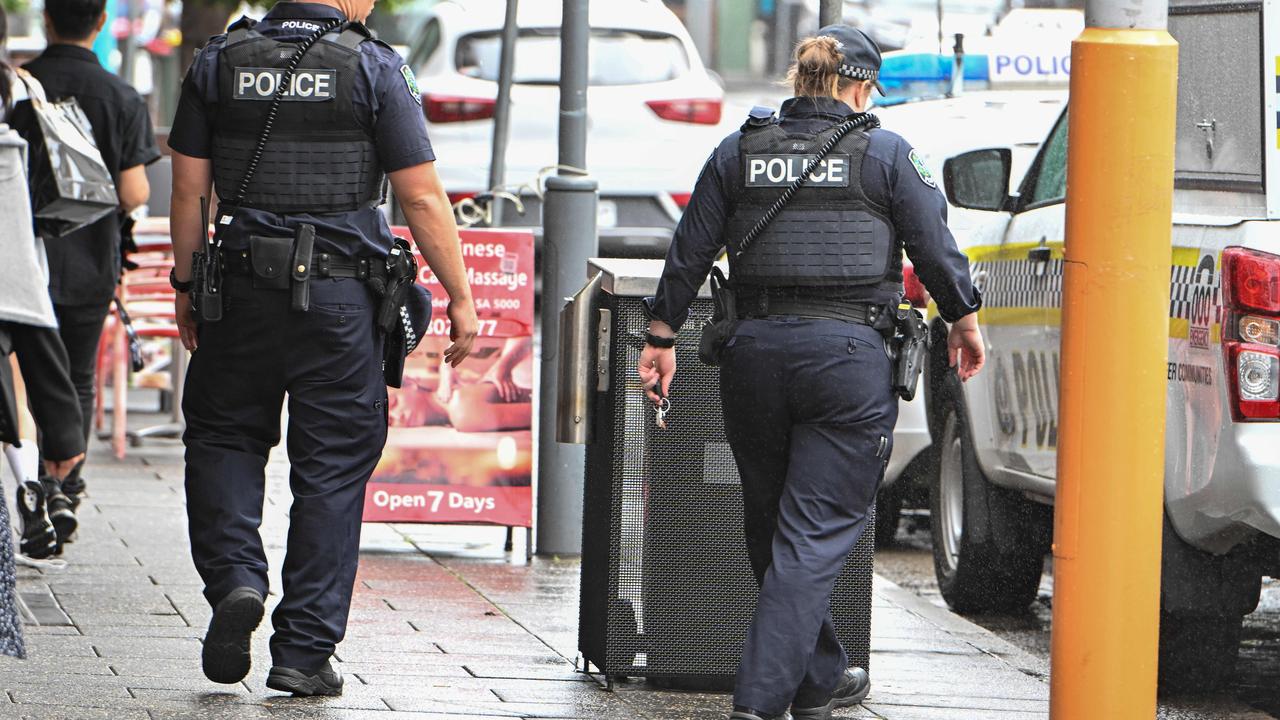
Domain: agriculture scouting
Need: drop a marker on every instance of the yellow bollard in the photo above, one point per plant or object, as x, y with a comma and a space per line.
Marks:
1107, 525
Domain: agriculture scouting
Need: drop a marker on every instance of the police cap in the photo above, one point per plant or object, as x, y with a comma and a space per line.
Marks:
861, 54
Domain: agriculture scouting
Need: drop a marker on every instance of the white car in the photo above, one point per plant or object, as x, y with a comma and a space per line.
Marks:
654, 111
1014, 119
997, 434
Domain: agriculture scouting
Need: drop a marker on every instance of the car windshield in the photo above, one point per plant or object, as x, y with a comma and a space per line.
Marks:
617, 57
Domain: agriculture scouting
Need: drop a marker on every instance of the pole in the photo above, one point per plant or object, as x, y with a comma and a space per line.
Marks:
502, 111
1107, 525
569, 240
940, 42
830, 12
698, 18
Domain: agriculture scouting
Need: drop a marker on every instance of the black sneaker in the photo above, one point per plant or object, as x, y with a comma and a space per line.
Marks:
73, 487
226, 658
326, 681
39, 540
62, 513
853, 689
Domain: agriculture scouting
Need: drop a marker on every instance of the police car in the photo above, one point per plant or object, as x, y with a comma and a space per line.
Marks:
996, 436
1017, 119
655, 110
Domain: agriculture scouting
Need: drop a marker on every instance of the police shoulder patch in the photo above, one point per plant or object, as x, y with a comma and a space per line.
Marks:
922, 170
411, 82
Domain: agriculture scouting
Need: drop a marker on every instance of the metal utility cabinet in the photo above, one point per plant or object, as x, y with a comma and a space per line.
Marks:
667, 590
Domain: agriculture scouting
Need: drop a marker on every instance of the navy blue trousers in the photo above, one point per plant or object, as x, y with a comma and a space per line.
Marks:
809, 414
329, 361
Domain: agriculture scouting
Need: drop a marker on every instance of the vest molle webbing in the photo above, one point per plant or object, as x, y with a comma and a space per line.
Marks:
318, 158
830, 234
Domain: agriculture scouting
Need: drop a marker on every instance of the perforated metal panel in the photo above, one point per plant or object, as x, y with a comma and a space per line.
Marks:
667, 590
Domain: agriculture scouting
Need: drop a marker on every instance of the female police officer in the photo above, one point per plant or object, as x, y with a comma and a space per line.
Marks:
805, 380
299, 240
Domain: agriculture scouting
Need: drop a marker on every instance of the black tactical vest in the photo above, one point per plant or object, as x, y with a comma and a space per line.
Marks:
830, 235
318, 158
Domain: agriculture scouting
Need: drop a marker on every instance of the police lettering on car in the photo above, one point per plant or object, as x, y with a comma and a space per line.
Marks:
297, 122
815, 209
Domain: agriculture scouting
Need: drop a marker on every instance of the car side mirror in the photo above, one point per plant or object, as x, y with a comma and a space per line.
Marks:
978, 179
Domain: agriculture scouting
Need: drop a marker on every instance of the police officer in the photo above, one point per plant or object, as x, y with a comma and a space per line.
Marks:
805, 377
300, 247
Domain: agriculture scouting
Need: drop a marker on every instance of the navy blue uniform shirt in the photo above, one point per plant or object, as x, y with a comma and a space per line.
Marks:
918, 213
386, 106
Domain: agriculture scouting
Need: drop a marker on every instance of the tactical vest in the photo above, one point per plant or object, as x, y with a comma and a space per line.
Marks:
830, 235
318, 158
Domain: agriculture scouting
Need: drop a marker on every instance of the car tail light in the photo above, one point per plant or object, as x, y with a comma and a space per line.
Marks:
914, 289
1251, 333
702, 112
450, 108
1253, 372
682, 199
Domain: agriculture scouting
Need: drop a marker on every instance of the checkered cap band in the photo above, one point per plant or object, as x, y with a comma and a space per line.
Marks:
858, 73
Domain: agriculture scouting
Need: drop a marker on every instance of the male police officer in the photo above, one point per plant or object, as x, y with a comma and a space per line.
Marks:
805, 379
299, 247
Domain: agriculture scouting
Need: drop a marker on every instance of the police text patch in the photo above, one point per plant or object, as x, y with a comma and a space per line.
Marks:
925, 176
782, 170
307, 85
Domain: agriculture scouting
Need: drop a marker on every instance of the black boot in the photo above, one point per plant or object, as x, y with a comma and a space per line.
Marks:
852, 689
325, 681
62, 512
226, 658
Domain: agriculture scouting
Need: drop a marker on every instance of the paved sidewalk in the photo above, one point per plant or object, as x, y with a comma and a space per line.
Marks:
444, 625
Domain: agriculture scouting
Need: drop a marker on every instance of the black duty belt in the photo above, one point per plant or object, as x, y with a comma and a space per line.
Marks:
765, 306
325, 265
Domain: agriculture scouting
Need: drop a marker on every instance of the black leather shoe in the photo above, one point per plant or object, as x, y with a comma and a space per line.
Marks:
746, 713
853, 689
325, 682
226, 658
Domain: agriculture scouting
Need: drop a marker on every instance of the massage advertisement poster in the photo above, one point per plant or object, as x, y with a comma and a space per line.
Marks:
460, 445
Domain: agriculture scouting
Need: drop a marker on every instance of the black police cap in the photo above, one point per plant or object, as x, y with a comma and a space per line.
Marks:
861, 54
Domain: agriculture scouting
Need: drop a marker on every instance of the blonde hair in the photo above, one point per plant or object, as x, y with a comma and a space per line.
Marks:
816, 70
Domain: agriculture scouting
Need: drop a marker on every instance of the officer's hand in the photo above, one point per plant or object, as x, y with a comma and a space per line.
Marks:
59, 469
657, 365
965, 348
463, 326
186, 318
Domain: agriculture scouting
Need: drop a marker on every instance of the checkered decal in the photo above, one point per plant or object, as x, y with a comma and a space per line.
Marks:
1021, 283
411, 338
1182, 292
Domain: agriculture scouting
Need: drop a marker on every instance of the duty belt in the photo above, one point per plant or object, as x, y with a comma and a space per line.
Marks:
763, 305
323, 265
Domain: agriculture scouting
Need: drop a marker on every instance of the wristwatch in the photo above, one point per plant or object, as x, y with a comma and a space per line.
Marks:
658, 341
177, 284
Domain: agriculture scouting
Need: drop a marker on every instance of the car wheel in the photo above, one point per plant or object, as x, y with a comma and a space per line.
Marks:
1197, 652
985, 554
888, 514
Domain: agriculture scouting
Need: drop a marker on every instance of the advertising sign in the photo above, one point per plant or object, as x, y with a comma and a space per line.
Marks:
460, 445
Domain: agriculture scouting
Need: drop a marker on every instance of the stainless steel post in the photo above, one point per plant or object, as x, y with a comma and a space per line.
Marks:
569, 240
502, 110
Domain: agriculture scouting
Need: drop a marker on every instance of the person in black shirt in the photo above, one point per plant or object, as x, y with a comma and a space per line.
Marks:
84, 266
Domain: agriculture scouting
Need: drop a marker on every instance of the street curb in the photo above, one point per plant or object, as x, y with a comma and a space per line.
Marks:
971, 634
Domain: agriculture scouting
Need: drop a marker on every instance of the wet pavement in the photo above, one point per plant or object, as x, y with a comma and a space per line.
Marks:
1254, 696
444, 624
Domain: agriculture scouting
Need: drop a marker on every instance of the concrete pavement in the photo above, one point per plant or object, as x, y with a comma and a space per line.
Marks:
444, 625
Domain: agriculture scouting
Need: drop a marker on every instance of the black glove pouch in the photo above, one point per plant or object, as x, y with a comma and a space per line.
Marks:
724, 319
271, 257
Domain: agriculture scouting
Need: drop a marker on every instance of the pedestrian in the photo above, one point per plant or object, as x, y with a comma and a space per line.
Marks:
29, 330
84, 265
805, 378
301, 247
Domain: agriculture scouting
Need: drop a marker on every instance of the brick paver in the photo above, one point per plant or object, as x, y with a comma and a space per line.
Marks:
444, 625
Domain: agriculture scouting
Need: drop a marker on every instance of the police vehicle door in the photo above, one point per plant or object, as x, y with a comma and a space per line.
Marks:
1022, 313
